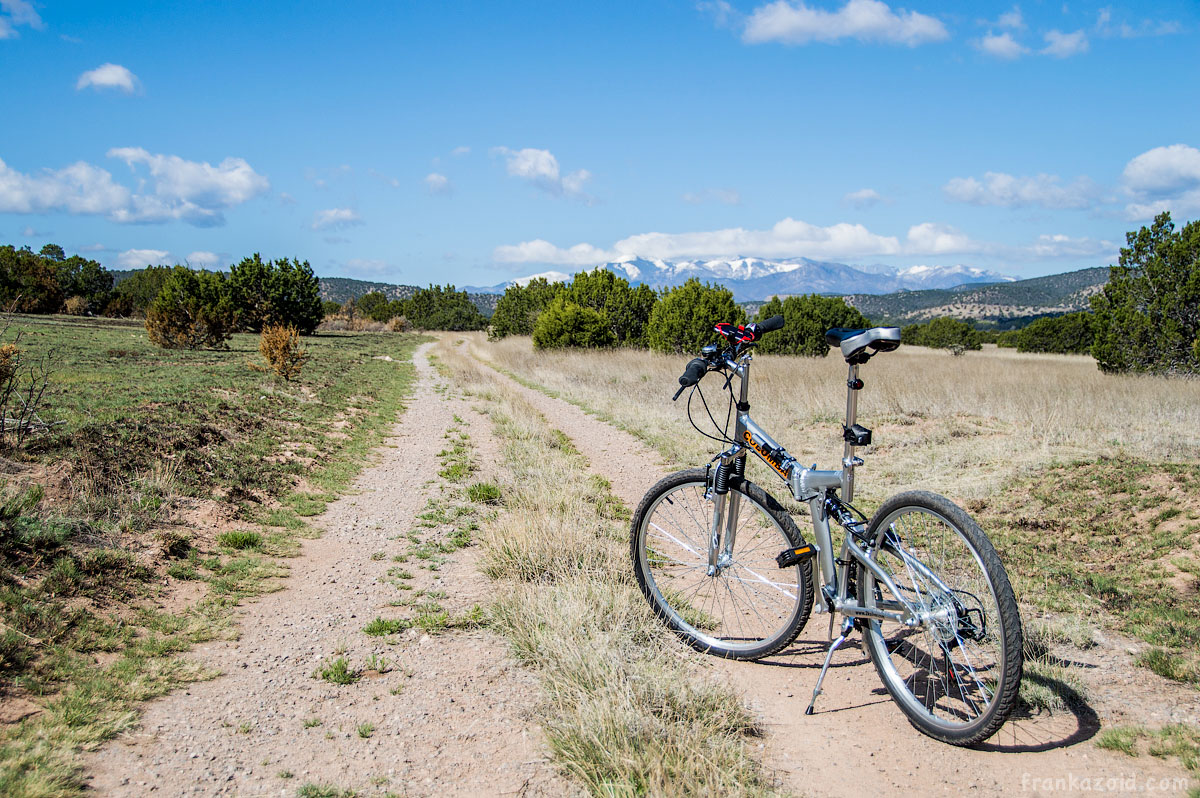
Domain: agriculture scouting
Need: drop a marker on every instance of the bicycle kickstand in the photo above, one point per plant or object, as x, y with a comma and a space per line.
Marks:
847, 625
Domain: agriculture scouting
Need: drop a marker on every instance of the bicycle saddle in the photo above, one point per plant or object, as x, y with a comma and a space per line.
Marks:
854, 343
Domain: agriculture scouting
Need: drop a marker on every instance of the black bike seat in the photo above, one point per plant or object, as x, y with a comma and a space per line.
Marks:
854, 343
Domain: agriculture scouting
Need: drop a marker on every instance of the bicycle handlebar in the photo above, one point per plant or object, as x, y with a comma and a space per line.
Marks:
738, 336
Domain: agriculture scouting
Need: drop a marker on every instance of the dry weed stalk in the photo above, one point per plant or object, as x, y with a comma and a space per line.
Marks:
23, 383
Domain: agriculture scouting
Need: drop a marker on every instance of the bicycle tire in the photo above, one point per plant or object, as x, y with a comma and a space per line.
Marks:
956, 676
751, 608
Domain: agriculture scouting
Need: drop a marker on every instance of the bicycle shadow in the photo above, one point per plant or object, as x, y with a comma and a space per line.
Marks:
1028, 730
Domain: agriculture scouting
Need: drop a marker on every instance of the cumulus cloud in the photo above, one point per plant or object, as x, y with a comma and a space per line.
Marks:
17, 13
1011, 19
458, 152
438, 183
79, 188
193, 191
335, 219
930, 238
998, 188
540, 168
204, 258
1162, 179
725, 196
1001, 45
786, 238
1065, 45
140, 258
863, 198
864, 20
108, 76
1107, 28
723, 15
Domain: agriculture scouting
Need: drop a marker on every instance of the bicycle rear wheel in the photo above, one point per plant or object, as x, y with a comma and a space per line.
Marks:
750, 607
956, 675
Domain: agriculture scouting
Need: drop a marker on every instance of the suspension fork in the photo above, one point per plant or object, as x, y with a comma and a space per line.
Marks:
726, 510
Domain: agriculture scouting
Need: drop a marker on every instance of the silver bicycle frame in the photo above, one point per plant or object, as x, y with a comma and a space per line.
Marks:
813, 487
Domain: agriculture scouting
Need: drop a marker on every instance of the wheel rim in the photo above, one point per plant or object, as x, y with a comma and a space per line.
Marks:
949, 669
750, 603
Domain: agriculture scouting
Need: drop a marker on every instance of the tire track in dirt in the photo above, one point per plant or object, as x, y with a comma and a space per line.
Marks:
858, 742
450, 717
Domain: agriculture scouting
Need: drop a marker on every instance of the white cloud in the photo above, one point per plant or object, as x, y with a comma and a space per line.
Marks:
109, 76
865, 20
863, 198
1147, 27
204, 259
540, 168
189, 190
1009, 191
79, 188
371, 266
17, 13
29, 232
541, 251
438, 183
1162, 179
460, 151
391, 181
335, 219
930, 238
194, 191
723, 15
93, 248
1065, 45
140, 258
725, 196
1001, 45
1011, 19
1048, 247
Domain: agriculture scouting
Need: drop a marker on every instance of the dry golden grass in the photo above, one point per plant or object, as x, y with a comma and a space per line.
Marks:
956, 425
625, 708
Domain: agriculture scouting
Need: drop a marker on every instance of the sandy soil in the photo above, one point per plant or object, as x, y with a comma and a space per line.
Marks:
458, 723
858, 742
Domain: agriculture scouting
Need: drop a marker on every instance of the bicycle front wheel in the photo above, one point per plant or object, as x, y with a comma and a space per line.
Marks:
956, 672
745, 608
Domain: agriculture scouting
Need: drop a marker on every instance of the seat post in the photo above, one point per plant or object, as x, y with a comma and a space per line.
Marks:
852, 384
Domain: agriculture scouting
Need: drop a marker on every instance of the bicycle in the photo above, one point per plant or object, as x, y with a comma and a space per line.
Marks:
725, 566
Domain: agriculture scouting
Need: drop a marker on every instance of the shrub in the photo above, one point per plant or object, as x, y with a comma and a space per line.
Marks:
683, 317
942, 333
276, 292
76, 306
627, 309
240, 540
1069, 334
280, 346
330, 308
138, 291
1146, 317
398, 324
193, 311
805, 321
564, 324
517, 311
442, 308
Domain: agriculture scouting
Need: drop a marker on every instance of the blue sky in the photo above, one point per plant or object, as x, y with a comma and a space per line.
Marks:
476, 142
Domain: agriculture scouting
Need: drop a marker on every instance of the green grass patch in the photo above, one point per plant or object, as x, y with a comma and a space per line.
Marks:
338, 671
484, 493
1089, 539
386, 626
136, 442
240, 540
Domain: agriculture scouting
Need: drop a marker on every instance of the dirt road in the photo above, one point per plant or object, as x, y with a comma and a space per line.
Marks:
450, 715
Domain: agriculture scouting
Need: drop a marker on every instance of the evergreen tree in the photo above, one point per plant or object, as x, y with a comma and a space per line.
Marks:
684, 316
280, 292
627, 309
443, 308
1069, 334
194, 310
517, 311
1147, 318
805, 321
566, 324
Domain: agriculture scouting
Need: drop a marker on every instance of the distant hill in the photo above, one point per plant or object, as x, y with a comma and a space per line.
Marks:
343, 289
1001, 303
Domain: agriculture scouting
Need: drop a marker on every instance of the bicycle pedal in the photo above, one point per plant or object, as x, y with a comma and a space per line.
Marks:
789, 557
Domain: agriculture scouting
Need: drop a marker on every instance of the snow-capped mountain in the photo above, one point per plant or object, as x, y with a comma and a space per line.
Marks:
756, 278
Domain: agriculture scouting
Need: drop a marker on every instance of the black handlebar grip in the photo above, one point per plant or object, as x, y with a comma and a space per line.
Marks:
694, 371
771, 324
